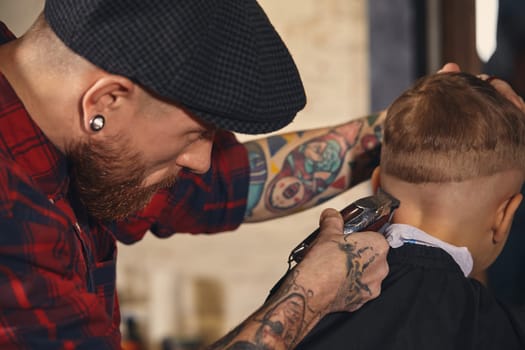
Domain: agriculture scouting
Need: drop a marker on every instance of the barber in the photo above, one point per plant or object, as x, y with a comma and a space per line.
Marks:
108, 113
116, 119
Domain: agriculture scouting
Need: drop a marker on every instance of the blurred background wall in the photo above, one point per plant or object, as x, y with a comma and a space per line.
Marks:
19, 14
354, 57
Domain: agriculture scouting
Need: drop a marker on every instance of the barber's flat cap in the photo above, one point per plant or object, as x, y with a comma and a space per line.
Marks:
220, 59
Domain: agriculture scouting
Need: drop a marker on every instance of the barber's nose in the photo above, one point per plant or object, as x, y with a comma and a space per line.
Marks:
197, 156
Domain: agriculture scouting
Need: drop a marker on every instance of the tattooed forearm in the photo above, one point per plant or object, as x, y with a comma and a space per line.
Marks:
258, 175
295, 171
278, 326
311, 168
282, 324
295, 307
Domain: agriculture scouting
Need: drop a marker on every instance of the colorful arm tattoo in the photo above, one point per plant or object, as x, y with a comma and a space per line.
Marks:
315, 168
310, 168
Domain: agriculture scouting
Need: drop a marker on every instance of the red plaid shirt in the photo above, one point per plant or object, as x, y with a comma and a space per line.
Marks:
57, 265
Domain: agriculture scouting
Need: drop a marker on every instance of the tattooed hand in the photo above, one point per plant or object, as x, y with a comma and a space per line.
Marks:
348, 269
339, 273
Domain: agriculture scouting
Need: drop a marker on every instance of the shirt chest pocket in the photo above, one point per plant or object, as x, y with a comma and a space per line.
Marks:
103, 274
93, 257
99, 266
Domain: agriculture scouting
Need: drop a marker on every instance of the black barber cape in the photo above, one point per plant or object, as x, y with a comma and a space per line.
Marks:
426, 303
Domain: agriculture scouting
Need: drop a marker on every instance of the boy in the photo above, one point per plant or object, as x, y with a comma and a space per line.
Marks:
454, 155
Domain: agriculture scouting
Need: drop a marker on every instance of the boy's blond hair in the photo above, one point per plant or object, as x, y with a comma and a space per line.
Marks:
452, 127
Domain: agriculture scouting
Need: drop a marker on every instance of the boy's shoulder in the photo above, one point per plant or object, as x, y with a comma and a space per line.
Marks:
426, 303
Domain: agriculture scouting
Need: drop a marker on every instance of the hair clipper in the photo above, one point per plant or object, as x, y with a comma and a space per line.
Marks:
371, 213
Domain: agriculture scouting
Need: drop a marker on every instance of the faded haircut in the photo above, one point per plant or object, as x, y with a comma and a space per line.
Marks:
50, 50
451, 127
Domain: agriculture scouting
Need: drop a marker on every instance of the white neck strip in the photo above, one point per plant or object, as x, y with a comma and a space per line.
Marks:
399, 234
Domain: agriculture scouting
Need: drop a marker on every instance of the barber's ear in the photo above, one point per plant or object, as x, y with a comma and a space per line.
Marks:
104, 97
504, 218
375, 180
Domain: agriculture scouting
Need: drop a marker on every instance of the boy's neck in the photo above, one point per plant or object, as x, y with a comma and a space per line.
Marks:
464, 214
455, 213
401, 234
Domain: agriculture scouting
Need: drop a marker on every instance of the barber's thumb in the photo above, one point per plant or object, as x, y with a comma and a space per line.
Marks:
330, 222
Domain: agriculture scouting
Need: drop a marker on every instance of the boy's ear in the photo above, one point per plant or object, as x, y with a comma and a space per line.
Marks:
504, 218
375, 180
